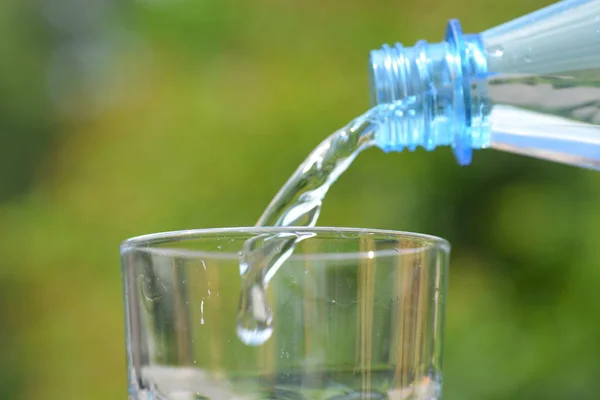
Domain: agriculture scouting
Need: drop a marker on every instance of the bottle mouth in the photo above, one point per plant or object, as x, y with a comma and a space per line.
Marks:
373, 69
398, 87
372, 96
387, 82
429, 93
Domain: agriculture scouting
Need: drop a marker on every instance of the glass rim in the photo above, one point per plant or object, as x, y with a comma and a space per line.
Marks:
154, 242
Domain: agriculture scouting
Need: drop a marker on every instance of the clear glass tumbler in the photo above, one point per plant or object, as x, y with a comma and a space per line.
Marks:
357, 314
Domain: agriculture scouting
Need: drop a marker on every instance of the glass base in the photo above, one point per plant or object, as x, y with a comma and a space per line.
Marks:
179, 383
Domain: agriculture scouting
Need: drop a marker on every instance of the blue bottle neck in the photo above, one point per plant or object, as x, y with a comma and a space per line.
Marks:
433, 94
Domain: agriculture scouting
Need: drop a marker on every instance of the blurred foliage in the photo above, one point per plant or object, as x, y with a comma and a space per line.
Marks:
125, 118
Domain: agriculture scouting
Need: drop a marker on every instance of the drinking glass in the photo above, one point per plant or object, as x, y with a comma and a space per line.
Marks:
357, 314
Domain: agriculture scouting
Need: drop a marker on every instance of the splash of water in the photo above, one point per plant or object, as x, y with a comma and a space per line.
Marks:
298, 203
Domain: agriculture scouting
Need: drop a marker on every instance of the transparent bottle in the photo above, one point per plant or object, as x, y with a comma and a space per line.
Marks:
530, 86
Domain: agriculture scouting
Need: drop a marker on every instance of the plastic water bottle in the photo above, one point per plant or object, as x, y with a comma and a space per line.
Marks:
530, 86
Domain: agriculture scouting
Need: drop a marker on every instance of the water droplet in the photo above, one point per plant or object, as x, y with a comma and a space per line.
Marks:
219, 247
254, 336
254, 326
201, 312
243, 268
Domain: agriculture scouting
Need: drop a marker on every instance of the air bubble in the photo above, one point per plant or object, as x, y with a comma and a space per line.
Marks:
496, 51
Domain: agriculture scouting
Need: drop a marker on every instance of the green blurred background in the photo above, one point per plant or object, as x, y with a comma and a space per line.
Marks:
122, 118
